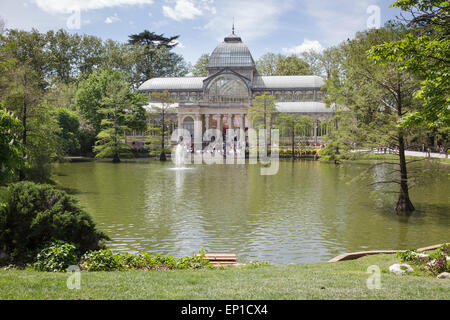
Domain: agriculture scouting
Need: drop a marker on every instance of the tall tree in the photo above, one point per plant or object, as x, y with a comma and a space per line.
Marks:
425, 52
116, 105
271, 64
199, 68
159, 110
261, 112
157, 59
11, 149
375, 99
153, 40
39, 127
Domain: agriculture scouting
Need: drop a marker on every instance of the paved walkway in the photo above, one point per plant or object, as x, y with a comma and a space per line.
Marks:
415, 153
424, 154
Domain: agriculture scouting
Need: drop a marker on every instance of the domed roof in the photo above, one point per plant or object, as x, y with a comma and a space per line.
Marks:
232, 52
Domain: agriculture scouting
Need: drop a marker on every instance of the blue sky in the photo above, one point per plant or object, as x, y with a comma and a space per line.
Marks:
280, 26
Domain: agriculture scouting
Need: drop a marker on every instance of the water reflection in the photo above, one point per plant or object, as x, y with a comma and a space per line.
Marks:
306, 213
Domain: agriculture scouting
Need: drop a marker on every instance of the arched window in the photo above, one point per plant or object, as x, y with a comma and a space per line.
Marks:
193, 96
188, 124
319, 95
309, 95
227, 89
298, 96
183, 96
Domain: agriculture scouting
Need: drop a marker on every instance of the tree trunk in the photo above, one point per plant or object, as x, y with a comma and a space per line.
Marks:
293, 145
116, 158
24, 136
162, 156
404, 204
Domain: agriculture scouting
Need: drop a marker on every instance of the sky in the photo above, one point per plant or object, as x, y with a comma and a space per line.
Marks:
279, 26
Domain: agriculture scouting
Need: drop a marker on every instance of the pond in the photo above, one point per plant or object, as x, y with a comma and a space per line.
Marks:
308, 212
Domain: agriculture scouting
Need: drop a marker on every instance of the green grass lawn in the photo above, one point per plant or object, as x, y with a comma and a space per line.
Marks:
340, 280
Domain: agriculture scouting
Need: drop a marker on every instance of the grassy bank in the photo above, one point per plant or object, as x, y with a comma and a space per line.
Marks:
341, 280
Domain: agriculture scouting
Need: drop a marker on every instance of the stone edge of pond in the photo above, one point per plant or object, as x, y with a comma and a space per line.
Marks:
360, 254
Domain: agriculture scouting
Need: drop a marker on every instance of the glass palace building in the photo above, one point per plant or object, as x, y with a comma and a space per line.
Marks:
222, 98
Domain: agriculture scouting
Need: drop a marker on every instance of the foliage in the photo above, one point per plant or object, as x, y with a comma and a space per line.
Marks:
101, 260
271, 64
56, 257
11, 149
34, 214
157, 59
112, 108
69, 124
106, 260
406, 256
369, 101
39, 128
158, 130
423, 51
262, 108
199, 68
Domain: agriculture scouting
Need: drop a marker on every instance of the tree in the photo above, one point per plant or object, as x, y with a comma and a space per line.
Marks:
291, 122
199, 69
160, 111
151, 39
69, 125
267, 64
271, 64
261, 112
39, 128
291, 66
375, 99
425, 52
323, 63
156, 59
11, 150
116, 104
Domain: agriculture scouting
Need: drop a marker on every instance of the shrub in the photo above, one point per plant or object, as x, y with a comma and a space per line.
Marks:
408, 255
101, 260
35, 214
106, 260
438, 265
56, 257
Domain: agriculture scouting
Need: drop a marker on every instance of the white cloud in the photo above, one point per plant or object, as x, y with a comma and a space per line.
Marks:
339, 19
177, 43
68, 6
253, 19
184, 9
307, 45
112, 19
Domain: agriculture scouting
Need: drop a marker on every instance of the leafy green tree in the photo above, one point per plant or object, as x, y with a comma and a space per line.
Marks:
156, 59
199, 68
425, 52
288, 121
291, 66
267, 64
39, 130
115, 106
69, 125
375, 99
11, 149
271, 64
151, 39
261, 112
159, 112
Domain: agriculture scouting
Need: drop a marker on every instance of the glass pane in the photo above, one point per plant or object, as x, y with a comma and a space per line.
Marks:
227, 89
309, 95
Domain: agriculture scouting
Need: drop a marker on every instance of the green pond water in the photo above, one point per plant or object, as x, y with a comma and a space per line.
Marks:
307, 212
